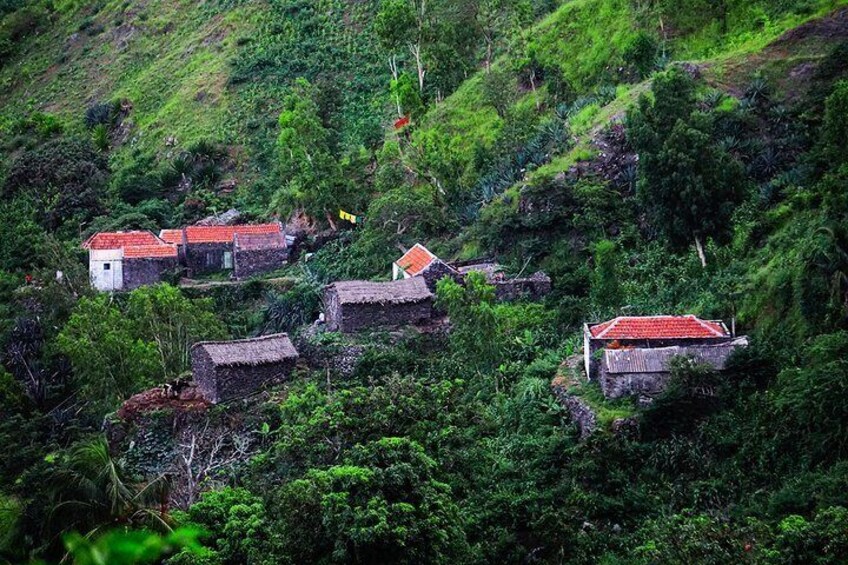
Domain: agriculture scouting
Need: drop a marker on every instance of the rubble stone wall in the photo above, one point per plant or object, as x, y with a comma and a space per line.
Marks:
203, 258
145, 271
250, 262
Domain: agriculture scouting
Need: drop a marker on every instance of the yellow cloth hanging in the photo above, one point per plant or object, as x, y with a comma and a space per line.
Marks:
346, 216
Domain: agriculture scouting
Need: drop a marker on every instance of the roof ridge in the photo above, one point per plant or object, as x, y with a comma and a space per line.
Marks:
242, 340
707, 325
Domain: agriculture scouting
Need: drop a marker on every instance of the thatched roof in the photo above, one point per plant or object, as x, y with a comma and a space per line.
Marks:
395, 292
658, 359
254, 351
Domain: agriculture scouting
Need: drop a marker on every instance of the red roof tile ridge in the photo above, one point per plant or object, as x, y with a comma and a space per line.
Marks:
607, 327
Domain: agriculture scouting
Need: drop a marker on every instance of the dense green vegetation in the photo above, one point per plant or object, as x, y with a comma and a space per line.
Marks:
526, 119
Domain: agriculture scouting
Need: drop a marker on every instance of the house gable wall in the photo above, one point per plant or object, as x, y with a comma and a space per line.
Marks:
102, 279
204, 374
144, 271
250, 262
356, 317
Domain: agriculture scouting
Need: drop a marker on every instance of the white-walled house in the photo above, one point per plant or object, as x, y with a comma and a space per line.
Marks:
126, 260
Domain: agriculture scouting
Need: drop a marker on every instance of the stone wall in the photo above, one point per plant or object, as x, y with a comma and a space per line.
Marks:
581, 413
438, 270
144, 271
355, 317
250, 262
221, 384
534, 287
203, 258
629, 384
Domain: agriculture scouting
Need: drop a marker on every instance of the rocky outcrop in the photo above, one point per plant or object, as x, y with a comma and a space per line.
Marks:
581, 413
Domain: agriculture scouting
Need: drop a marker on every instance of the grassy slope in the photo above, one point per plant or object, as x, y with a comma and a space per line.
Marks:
585, 38
176, 61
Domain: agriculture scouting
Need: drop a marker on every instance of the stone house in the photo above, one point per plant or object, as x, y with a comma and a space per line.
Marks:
226, 370
632, 354
421, 262
350, 306
211, 249
127, 260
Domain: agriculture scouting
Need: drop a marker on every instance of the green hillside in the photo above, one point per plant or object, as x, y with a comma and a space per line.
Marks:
652, 157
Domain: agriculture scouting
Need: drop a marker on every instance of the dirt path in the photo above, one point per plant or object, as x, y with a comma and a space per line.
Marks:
201, 285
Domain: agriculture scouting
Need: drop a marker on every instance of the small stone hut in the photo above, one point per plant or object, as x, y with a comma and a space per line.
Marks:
257, 253
225, 370
421, 262
351, 306
646, 371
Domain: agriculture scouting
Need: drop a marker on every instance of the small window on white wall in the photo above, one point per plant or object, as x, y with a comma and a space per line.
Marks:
107, 266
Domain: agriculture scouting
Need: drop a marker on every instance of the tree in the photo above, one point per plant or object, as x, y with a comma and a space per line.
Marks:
384, 505
497, 19
66, 178
606, 291
400, 23
91, 490
474, 334
109, 360
164, 317
688, 184
310, 172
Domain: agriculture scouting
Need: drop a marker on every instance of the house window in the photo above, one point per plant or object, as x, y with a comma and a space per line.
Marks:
210, 258
107, 266
228, 260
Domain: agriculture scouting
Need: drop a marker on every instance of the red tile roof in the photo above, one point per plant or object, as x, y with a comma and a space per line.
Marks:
149, 251
416, 260
224, 234
658, 327
120, 239
171, 236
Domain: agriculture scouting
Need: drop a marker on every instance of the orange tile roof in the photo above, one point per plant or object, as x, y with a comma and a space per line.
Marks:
658, 327
224, 234
120, 239
416, 260
171, 236
149, 251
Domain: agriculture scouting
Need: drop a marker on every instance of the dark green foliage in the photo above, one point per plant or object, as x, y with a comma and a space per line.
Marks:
812, 397
383, 505
835, 127
64, 177
606, 290
288, 311
641, 54
100, 114
688, 184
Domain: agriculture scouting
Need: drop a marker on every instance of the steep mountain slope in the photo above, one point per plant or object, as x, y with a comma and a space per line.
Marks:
651, 156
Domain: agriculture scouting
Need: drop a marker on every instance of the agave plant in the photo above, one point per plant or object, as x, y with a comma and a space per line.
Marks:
767, 163
605, 94
713, 98
757, 92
